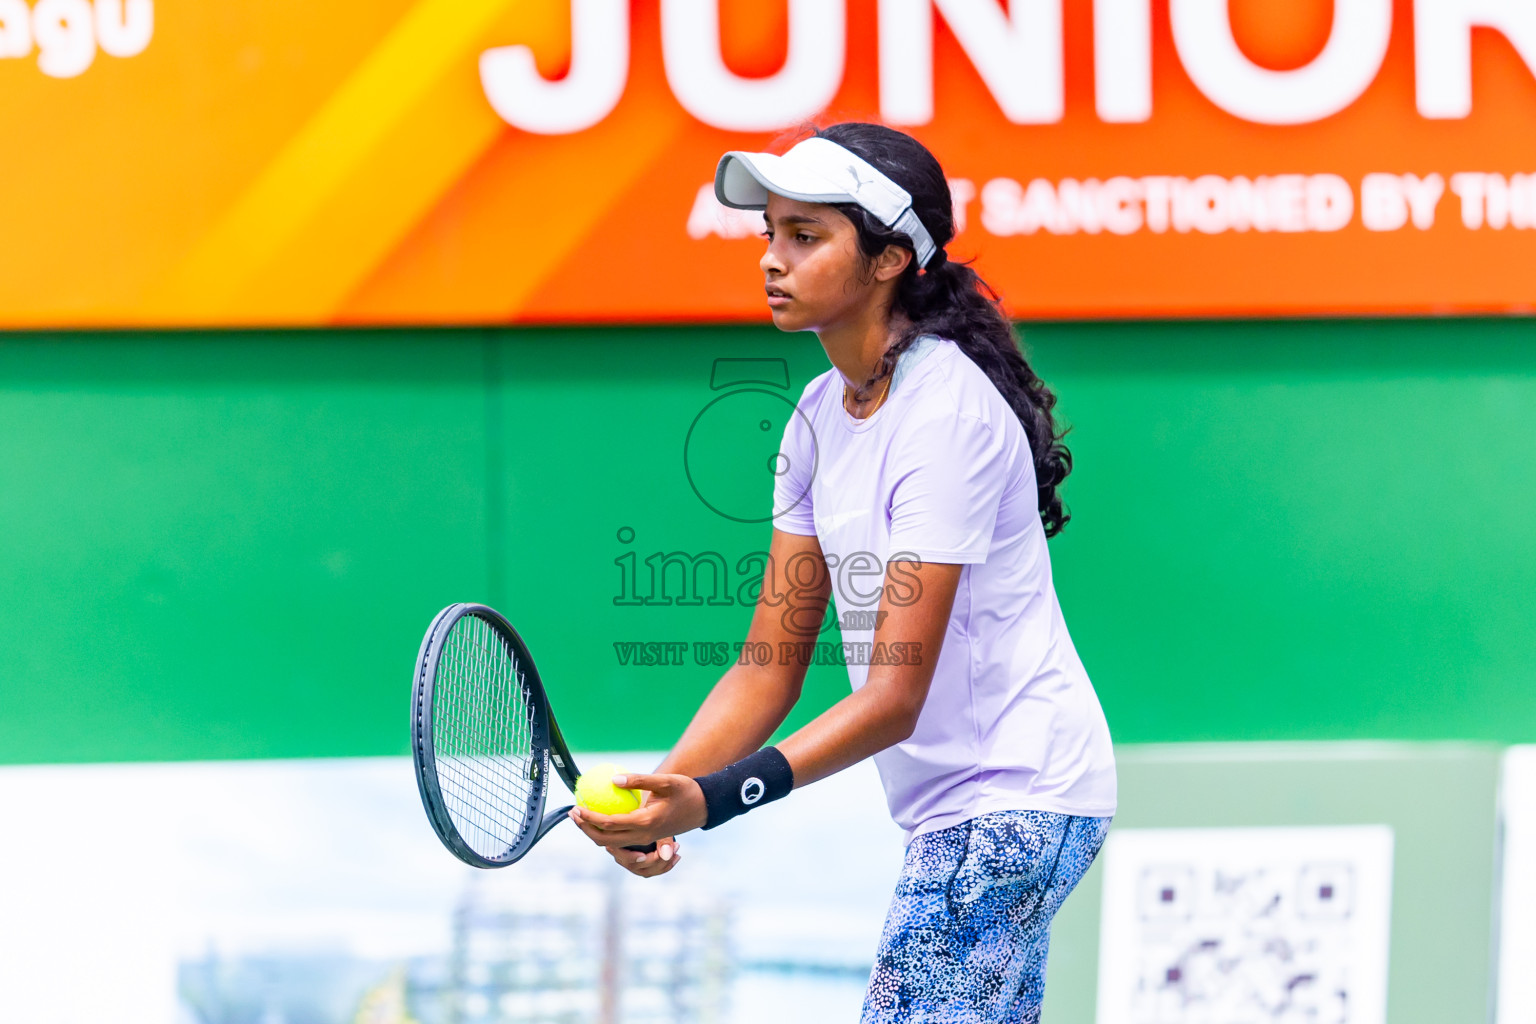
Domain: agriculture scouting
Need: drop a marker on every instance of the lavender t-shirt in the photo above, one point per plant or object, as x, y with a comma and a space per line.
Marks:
943, 472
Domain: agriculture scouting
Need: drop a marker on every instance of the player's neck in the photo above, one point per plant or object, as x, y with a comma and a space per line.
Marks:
856, 345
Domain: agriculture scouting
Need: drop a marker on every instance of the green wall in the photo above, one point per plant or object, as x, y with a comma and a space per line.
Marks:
227, 545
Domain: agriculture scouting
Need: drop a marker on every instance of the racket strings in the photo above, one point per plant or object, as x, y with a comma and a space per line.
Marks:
483, 736
489, 798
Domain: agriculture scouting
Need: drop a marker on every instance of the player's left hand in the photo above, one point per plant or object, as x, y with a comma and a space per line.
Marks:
674, 804
648, 865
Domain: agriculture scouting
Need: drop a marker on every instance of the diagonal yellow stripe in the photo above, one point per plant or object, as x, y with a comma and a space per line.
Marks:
309, 182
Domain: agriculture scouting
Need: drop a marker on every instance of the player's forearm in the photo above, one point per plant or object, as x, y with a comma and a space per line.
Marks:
738, 717
884, 711
880, 714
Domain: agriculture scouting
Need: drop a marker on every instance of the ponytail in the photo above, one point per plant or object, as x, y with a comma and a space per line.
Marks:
950, 300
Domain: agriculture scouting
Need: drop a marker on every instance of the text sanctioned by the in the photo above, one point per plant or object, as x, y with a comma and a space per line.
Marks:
1208, 204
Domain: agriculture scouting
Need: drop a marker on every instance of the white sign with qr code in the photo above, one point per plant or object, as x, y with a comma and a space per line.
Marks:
1245, 926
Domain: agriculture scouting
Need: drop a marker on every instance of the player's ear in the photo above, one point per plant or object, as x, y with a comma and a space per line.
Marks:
891, 263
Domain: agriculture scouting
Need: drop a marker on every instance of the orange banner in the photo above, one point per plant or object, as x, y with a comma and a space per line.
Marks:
174, 163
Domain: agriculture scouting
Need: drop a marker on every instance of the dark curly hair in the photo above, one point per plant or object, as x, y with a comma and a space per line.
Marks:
951, 300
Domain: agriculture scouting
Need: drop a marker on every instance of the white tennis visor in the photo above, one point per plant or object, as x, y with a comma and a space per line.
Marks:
820, 171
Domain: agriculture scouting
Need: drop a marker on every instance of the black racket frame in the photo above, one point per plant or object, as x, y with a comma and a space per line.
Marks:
548, 745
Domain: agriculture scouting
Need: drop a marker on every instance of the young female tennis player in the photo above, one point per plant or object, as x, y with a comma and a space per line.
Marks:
926, 459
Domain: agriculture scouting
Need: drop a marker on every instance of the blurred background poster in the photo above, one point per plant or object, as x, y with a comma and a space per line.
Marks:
313, 892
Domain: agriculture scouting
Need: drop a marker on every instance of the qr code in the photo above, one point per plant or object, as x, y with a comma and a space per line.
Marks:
1245, 926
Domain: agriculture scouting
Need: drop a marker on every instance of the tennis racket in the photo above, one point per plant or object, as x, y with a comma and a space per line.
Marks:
483, 737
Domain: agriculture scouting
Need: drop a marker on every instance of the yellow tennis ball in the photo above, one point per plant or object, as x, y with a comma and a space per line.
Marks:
596, 792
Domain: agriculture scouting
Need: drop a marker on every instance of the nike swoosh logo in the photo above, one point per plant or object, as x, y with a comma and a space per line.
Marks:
837, 519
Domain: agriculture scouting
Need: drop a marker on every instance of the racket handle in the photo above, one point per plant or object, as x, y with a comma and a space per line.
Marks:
552, 819
647, 848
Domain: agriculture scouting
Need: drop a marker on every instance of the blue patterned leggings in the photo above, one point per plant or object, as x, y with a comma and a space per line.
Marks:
966, 937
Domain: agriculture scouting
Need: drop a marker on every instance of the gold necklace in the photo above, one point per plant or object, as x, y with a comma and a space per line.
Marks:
848, 394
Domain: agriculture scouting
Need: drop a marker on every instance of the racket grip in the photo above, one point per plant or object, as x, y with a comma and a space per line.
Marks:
647, 848
552, 819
